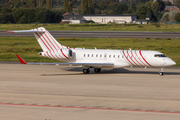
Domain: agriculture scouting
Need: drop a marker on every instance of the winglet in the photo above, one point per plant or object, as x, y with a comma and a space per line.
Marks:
21, 60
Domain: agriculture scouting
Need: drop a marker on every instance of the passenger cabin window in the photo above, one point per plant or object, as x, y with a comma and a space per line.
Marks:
92, 55
109, 56
84, 55
122, 56
114, 56
104, 55
159, 55
100, 55
88, 55
118, 56
96, 55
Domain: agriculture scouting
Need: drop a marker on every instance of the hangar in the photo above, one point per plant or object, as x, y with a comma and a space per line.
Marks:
100, 19
74, 19
104, 19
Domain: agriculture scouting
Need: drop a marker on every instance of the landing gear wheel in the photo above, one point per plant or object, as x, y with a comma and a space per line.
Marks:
97, 70
161, 73
86, 71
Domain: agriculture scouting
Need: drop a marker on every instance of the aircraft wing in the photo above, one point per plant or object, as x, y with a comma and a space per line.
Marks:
100, 65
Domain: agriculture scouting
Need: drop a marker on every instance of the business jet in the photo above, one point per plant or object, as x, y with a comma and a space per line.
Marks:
95, 58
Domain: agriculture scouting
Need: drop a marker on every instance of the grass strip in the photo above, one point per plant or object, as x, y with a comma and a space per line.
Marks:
95, 27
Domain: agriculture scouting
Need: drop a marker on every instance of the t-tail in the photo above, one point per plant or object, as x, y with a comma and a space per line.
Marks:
50, 46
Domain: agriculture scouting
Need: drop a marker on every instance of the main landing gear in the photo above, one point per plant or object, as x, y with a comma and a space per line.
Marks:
87, 70
97, 70
161, 71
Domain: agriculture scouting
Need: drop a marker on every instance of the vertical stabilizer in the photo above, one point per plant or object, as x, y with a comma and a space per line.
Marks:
46, 40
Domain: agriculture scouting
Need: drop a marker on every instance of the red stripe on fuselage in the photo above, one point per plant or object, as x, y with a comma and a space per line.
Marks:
143, 58
139, 58
56, 55
59, 54
52, 54
64, 54
48, 54
127, 58
130, 57
135, 58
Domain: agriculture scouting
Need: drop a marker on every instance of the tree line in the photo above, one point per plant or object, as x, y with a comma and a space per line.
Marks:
31, 15
26, 11
48, 10
141, 8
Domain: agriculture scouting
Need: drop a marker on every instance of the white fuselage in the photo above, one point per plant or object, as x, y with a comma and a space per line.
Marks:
120, 58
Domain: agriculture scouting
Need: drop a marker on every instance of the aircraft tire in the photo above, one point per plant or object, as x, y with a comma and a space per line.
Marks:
97, 70
161, 73
86, 71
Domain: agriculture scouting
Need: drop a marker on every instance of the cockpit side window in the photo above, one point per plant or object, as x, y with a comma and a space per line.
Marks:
159, 55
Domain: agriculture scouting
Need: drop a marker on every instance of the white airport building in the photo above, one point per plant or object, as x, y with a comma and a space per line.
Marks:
100, 19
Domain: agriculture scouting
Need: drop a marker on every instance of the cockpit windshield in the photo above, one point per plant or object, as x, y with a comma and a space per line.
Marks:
159, 55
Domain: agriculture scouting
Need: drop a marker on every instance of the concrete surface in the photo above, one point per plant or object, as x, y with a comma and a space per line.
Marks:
46, 113
131, 88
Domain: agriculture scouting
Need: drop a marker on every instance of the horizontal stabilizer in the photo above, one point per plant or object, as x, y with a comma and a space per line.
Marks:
24, 31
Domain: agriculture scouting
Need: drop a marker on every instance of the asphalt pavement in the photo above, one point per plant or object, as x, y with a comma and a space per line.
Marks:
100, 34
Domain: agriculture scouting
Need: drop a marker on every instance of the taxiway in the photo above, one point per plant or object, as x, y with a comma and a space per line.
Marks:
130, 88
101, 34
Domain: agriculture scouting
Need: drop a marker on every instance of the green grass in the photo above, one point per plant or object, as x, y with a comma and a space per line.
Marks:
28, 47
95, 27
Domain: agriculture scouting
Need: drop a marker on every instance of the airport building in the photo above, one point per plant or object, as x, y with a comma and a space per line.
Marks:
74, 19
100, 19
142, 21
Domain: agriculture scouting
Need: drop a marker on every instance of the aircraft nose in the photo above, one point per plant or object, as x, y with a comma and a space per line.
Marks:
173, 63
170, 62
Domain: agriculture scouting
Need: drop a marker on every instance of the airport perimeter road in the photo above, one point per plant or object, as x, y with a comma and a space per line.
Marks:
101, 34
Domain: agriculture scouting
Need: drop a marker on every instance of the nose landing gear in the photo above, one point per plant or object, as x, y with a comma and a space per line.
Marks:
161, 71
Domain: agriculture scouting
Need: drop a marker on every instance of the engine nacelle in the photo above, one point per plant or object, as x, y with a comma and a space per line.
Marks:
58, 54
